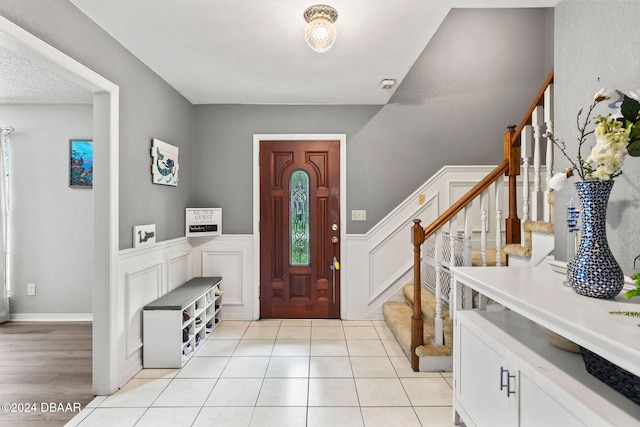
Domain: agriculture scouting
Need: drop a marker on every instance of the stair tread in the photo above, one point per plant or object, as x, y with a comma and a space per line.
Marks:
539, 226
398, 318
525, 250
476, 259
516, 249
427, 304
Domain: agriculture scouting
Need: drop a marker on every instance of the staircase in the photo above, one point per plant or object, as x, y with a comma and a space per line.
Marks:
464, 235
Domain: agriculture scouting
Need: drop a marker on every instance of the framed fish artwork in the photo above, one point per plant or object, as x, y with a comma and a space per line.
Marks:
164, 165
81, 163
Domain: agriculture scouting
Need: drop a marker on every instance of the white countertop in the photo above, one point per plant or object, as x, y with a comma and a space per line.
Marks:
540, 296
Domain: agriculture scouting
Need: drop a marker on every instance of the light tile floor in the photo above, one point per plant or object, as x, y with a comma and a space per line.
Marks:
283, 373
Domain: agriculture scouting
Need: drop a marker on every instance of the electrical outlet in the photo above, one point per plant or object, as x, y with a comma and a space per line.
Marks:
421, 199
358, 215
31, 289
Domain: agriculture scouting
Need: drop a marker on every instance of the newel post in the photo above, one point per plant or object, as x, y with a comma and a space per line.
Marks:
417, 325
512, 153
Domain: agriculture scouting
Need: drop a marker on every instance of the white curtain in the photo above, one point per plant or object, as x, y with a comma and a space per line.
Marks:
4, 228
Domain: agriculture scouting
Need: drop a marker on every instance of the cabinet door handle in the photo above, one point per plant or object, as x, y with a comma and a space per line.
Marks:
506, 386
509, 391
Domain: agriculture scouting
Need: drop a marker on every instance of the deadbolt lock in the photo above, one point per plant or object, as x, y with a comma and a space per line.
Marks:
334, 227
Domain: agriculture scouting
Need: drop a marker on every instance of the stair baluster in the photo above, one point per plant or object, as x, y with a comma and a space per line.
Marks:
526, 139
499, 187
438, 338
536, 123
484, 226
548, 121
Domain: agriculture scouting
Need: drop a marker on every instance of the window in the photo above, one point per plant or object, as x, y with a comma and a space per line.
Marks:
299, 218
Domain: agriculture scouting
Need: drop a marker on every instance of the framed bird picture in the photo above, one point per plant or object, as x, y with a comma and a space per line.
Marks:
81, 163
164, 166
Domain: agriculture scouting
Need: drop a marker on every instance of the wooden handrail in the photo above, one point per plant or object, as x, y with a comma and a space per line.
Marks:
501, 169
538, 100
466, 199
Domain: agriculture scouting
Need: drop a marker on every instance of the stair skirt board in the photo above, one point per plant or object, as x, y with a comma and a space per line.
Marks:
435, 363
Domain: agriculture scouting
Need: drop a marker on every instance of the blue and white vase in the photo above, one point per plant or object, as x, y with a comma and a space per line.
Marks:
594, 272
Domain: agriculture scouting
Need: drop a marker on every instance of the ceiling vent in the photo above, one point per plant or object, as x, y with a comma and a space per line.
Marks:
387, 83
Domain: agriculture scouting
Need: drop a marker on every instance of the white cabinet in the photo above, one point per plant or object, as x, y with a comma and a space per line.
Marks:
485, 384
176, 324
506, 373
501, 387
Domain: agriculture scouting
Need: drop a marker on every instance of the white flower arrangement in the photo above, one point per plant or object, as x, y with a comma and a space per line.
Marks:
616, 136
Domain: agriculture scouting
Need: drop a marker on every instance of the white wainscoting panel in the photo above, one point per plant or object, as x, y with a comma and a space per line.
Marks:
393, 256
141, 287
144, 274
227, 265
230, 256
179, 270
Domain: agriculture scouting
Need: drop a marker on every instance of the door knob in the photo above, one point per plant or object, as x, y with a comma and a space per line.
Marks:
334, 239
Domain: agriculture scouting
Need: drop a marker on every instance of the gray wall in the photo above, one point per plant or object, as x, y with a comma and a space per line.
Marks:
442, 108
224, 161
149, 108
51, 223
477, 75
596, 46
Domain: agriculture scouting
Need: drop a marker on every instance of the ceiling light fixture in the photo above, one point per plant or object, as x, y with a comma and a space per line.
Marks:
320, 32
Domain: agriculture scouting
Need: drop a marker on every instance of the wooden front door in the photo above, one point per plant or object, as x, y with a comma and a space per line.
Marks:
299, 229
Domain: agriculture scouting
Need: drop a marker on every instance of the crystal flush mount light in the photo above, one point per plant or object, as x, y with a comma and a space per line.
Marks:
320, 32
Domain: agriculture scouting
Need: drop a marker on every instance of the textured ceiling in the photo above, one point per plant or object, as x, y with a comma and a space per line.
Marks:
23, 81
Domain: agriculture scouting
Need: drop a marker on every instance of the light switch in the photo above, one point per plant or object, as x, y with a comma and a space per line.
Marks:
358, 215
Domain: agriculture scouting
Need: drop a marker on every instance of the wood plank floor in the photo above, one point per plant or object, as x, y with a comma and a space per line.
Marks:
44, 364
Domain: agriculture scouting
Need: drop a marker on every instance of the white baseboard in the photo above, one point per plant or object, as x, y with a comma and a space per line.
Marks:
51, 317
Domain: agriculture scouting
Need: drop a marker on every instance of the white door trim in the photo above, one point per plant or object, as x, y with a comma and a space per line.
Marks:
105, 192
256, 206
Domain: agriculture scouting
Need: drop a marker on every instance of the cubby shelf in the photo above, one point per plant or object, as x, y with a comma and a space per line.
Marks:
175, 325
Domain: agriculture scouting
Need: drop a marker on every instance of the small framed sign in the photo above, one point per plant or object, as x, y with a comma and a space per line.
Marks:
144, 235
202, 222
